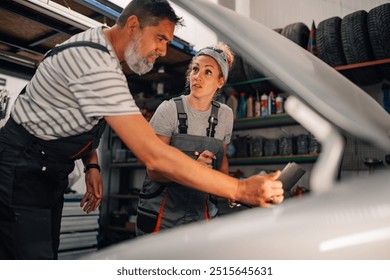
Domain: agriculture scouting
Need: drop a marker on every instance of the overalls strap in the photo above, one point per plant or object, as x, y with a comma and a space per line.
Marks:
213, 119
181, 115
60, 48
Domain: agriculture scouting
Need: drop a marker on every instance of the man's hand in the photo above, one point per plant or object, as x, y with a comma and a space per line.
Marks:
94, 193
260, 190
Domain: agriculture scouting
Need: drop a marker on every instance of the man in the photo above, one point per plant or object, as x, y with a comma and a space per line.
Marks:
60, 118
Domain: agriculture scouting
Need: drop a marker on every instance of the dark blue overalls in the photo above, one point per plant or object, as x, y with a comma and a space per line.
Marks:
33, 178
167, 204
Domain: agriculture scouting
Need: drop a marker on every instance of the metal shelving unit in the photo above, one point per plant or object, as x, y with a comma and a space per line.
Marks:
79, 230
308, 158
264, 122
362, 64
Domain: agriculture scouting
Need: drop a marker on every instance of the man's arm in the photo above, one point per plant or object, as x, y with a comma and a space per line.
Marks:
153, 174
140, 138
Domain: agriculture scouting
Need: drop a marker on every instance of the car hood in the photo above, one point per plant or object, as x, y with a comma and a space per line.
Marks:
349, 222
298, 72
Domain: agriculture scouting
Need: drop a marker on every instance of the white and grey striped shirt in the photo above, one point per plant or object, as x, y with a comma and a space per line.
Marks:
72, 90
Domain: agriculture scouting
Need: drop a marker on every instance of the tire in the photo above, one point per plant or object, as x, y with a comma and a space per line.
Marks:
357, 48
330, 48
237, 75
251, 73
378, 24
298, 33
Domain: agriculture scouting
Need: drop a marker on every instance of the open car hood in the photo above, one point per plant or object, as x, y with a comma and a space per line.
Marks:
349, 221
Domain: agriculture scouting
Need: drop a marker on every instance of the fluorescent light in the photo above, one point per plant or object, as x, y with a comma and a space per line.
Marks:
17, 59
60, 12
120, 3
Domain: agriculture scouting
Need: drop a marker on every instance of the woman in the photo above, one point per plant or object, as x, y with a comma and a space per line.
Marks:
198, 126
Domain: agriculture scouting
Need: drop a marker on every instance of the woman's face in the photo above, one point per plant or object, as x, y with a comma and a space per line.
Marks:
205, 77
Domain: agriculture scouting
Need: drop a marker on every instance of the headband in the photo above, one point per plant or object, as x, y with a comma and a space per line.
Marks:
219, 56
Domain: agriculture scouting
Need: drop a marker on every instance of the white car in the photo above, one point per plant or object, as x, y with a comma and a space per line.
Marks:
338, 219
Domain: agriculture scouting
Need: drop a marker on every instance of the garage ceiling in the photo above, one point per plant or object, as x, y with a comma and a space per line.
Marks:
29, 28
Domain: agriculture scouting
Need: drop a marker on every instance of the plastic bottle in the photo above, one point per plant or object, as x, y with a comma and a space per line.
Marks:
249, 107
232, 103
241, 112
271, 104
257, 105
279, 105
264, 105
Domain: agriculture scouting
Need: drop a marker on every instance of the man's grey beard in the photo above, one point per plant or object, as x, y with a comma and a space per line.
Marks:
136, 63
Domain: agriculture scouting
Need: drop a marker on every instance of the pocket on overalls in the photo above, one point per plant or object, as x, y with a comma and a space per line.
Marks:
6, 181
33, 238
39, 184
146, 220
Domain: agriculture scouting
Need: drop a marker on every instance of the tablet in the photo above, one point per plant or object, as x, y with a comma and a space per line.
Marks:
290, 175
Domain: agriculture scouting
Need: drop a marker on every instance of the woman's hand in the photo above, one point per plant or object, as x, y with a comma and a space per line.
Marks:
206, 158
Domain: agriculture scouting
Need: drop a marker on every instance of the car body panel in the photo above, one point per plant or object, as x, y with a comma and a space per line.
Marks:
349, 221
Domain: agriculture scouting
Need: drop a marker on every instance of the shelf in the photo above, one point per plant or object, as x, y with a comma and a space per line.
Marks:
308, 158
264, 122
362, 64
248, 82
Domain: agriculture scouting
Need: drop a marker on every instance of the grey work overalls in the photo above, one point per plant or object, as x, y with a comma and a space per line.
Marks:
166, 205
33, 178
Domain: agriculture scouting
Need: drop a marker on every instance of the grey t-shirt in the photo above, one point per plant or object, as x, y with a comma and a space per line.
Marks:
165, 121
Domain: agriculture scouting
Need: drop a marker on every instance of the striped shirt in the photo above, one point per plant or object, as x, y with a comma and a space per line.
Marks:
72, 90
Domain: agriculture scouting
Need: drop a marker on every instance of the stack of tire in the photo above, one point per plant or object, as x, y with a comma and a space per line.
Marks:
358, 37
242, 70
